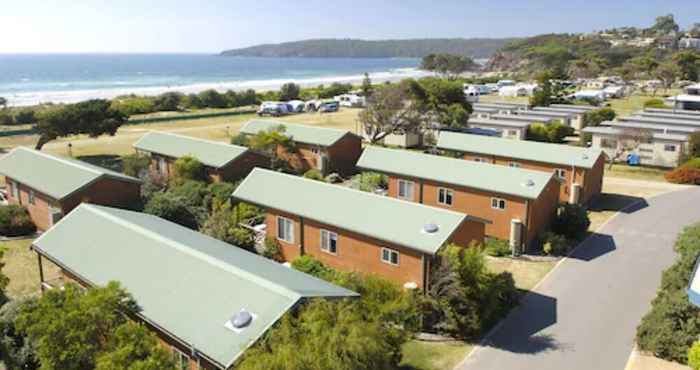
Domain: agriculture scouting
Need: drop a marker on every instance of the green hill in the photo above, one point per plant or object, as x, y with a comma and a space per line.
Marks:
354, 48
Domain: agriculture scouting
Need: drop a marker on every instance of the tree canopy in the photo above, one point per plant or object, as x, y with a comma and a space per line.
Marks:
448, 65
92, 117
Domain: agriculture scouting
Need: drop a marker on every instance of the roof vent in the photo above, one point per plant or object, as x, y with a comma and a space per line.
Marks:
430, 228
240, 321
584, 156
529, 183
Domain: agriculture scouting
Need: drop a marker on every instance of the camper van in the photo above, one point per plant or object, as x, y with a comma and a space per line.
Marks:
350, 100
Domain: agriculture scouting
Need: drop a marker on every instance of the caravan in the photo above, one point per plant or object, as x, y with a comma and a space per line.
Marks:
351, 100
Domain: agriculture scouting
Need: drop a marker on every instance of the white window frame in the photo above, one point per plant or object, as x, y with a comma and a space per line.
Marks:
315, 150
448, 193
178, 357
326, 238
560, 173
480, 160
390, 252
672, 146
287, 234
162, 166
15, 189
31, 197
409, 185
514, 164
497, 202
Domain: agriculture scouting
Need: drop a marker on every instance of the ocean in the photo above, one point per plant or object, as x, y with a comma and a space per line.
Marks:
27, 79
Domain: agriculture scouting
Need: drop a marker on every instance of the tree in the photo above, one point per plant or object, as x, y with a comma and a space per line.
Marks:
133, 347
440, 101
572, 221
70, 327
16, 351
584, 68
688, 63
694, 144
135, 164
272, 142
222, 224
172, 208
664, 25
3, 102
667, 73
189, 168
367, 88
289, 91
448, 65
169, 101
92, 117
389, 111
694, 355
598, 116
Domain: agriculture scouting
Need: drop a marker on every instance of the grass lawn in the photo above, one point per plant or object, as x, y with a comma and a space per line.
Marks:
635, 172
635, 102
525, 273
22, 269
420, 355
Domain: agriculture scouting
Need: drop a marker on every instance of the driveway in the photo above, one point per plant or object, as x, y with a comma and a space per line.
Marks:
584, 315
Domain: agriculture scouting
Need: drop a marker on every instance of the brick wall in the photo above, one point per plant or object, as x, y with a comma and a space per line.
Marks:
343, 156
39, 211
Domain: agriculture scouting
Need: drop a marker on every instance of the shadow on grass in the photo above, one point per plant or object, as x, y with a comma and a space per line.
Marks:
520, 332
617, 203
111, 162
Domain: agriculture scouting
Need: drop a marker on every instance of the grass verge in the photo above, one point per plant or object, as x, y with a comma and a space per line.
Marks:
420, 355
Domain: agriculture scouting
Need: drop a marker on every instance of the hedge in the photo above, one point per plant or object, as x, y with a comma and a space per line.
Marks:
15, 221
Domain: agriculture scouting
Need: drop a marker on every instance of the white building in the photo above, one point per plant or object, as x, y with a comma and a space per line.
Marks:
508, 129
689, 101
653, 149
689, 43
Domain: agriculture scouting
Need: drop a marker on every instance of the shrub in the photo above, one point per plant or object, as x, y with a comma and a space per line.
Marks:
370, 181
189, 168
685, 174
272, 250
554, 244
694, 356
557, 132
309, 265
654, 103
694, 144
172, 208
572, 221
6, 118
15, 221
598, 116
497, 247
314, 174
135, 164
219, 193
671, 327
693, 163
24, 117
240, 140
15, 350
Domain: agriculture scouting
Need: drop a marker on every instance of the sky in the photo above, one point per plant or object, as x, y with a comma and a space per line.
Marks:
210, 26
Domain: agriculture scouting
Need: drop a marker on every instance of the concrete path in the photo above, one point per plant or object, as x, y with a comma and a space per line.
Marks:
583, 316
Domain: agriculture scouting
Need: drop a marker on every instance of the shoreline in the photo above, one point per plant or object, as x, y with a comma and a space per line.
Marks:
24, 99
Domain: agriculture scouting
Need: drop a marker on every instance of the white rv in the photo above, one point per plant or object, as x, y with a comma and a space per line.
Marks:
351, 100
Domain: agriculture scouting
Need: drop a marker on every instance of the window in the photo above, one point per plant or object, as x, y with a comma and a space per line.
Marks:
15, 189
31, 197
315, 150
285, 229
513, 132
498, 203
329, 242
669, 148
445, 196
480, 160
560, 173
390, 256
406, 189
514, 164
162, 166
182, 361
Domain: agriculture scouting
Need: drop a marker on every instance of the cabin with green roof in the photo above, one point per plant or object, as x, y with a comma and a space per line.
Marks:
50, 186
325, 149
207, 301
520, 203
580, 170
352, 230
223, 162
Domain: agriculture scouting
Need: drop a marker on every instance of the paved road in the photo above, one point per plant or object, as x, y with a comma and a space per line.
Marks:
584, 315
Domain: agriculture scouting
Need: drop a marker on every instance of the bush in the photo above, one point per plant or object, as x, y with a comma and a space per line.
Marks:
15, 221
497, 247
24, 116
654, 103
694, 144
693, 163
314, 174
370, 181
189, 168
135, 164
672, 325
240, 140
552, 133
685, 174
15, 350
572, 221
554, 244
172, 208
694, 356
598, 116
219, 194
309, 265
272, 250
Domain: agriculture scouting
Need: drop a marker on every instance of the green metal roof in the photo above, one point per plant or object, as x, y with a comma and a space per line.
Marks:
522, 117
377, 216
299, 133
483, 176
55, 176
187, 283
564, 155
210, 153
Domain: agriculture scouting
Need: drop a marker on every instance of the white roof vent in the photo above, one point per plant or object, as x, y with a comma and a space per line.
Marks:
529, 183
430, 228
240, 321
584, 156
410, 286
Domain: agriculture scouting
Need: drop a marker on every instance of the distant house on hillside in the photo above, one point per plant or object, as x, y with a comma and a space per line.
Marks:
206, 300
223, 162
689, 43
352, 230
51, 186
328, 150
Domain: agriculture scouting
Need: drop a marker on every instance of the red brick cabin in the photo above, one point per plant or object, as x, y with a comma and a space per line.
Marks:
51, 186
223, 162
351, 230
328, 150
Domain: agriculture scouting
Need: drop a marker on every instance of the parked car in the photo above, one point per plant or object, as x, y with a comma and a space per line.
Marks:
273, 109
351, 100
329, 106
